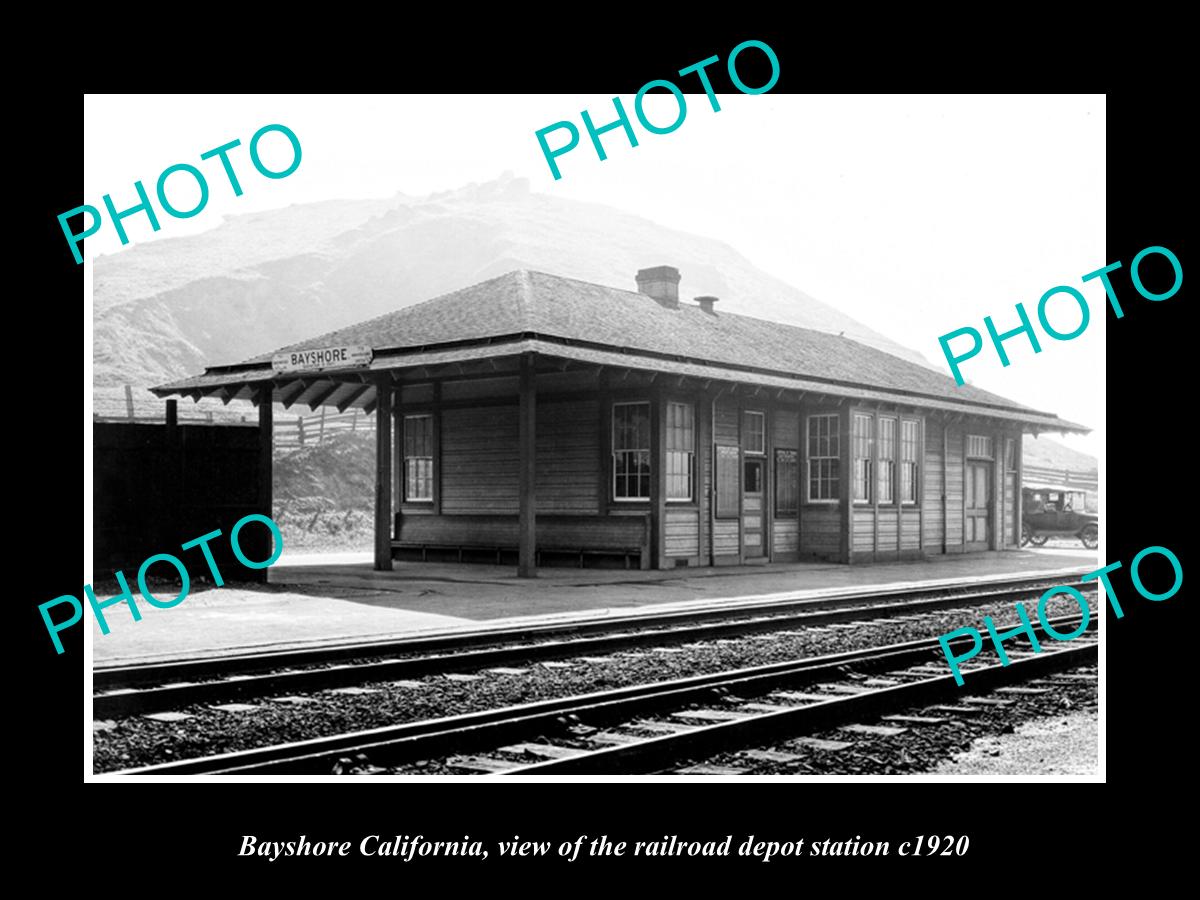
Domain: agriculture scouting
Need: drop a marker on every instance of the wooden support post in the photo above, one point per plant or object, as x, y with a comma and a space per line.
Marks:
383, 475
873, 486
919, 487
527, 481
1018, 489
266, 430
704, 465
129, 401
845, 483
997, 490
321, 432
945, 482
172, 492
300, 428
658, 482
398, 456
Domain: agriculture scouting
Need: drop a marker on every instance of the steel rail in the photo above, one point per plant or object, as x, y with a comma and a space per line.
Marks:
493, 727
185, 692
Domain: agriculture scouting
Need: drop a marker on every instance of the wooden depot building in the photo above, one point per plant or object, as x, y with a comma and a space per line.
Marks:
537, 418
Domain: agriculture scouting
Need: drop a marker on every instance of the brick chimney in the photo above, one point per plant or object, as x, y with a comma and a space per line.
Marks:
706, 304
661, 283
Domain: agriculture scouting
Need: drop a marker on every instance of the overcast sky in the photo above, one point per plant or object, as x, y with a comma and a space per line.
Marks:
914, 215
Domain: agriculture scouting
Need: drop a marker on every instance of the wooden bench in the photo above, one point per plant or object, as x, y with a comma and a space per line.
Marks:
623, 535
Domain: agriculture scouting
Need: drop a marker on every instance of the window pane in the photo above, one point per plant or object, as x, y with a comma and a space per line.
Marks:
823, 448
631, 450
863, 447
631, 426
753, 480
979, 446
418, 457
680, 449
754, 432
679, 475
887, 438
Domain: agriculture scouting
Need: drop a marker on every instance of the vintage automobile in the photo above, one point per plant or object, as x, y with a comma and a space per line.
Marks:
1056, 510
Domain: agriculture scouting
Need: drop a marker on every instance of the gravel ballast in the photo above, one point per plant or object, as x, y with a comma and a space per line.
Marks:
1036, 734
137, 741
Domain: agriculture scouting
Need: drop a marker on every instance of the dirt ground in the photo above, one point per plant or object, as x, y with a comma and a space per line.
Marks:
1062, 745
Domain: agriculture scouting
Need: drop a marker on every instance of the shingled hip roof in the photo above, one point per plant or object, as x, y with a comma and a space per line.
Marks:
602, 322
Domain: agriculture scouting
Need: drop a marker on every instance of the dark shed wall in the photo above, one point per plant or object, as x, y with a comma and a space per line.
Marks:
152, 493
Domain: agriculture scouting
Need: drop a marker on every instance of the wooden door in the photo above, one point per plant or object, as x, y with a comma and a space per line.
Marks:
752, 508
978, 519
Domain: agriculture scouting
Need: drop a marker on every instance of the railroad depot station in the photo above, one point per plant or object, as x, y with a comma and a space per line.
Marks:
630, 449
538, 419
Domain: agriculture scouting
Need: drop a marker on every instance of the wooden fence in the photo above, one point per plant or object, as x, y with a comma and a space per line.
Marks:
1084, 481
298, 431
291, 429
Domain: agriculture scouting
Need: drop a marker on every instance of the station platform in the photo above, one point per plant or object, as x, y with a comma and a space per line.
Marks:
338, 598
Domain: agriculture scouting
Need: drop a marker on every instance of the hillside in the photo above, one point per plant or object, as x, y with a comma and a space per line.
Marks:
1050, 454
169, 308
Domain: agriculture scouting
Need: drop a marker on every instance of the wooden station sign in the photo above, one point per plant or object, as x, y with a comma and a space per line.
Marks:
322, 358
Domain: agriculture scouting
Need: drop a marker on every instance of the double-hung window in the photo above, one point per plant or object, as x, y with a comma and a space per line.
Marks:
910, 430
631, 451
824, 463
681, 450
863, 446
418, 459
887, 459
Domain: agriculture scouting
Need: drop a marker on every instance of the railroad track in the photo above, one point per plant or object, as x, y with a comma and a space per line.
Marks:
645, 728
131, 690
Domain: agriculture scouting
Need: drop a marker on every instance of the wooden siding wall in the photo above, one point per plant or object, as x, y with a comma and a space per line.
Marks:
785, 535
1012, 489
479, 460
821, 524
726, 422
954, 488
568, 444
899, 529
910, 530
785, 435
726, 430
785, 428
682, 533
863, 537
821, 532
931, 494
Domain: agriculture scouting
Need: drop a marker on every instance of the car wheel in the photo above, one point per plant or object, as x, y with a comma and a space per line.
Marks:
1039, 540
1090, 537
1025, 535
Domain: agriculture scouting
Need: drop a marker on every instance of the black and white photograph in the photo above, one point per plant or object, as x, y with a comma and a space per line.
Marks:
699, 433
